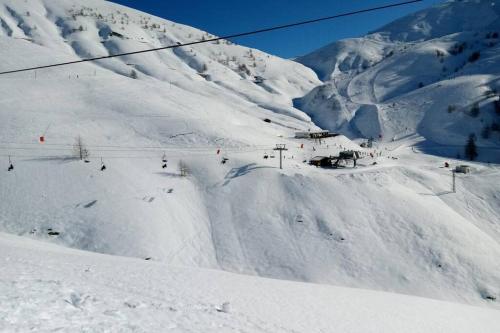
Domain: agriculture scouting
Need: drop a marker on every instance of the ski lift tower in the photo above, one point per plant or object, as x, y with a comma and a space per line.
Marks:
281, 148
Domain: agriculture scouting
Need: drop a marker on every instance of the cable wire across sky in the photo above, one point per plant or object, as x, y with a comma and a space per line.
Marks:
242, 34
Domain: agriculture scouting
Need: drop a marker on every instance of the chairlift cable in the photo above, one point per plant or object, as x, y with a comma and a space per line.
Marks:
243, 34
207, 153
124, 148
142, 149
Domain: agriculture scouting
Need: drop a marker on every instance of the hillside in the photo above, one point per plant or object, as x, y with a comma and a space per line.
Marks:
425, 74
80, 291
390, 224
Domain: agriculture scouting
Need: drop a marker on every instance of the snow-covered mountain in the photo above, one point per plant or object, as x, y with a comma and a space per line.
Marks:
424, 74
390, 224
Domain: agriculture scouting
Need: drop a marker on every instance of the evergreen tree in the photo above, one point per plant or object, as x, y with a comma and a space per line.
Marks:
470, 148
474, 111
474, 56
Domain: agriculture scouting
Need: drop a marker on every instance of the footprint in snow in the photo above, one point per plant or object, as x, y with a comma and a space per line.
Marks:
225, 308
114, 313
90, 204
76, 300
131, 305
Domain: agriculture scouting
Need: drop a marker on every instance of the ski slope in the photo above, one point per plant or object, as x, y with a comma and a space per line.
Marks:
80, 291
420, 75
391, 224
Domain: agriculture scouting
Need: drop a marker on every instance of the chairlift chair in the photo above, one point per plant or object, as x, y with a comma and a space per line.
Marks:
272, 155
11, 166
103, 166
164, 161
266, 156
224, 160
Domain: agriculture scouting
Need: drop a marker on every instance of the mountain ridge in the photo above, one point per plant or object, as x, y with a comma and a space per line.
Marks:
448, 50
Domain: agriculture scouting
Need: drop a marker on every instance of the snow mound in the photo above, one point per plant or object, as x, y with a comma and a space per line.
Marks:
90, 292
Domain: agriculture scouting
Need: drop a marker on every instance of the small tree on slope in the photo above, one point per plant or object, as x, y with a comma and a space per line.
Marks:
474, 111
80, 150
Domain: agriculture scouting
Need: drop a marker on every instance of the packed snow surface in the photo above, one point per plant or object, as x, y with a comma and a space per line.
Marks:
215, 112
48, 288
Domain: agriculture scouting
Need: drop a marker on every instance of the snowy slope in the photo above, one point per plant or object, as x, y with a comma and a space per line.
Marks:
77, 291
420, 75
391, 226
170, 106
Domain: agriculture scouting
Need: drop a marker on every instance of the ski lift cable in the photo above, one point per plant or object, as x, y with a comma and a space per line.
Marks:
243, 34
108, 150
155, 157
171, 151
130, 148
199, 151
166, 148
90, 158
61, 147
103, 146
